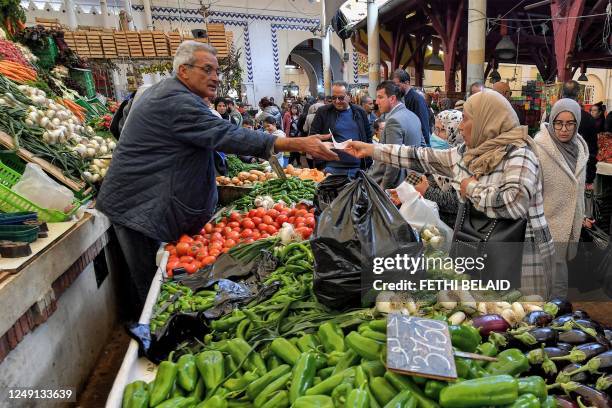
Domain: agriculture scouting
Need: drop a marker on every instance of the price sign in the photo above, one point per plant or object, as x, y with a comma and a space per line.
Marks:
419, 346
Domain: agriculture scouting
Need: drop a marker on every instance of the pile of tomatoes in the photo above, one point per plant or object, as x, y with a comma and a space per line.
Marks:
193, 253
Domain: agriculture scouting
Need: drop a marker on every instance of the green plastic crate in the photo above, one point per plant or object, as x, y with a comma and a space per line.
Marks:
84, 78
48, 54
10, 159
19, 233
13, 202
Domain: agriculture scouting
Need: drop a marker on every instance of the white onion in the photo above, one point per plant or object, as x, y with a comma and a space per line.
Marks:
50, 114
44, 121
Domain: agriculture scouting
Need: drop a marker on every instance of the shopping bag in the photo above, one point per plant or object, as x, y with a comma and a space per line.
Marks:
361, 224
591, 206
328, 190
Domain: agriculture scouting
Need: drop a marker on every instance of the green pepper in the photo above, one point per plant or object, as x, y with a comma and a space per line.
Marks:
228, 322
176, 391
303, 375
373, 368
363, 326
229, 365
199, 390
340, 394
349, 359
463, 366
373, 402
270, 389
476, 371
127, 394
383, 391
525, 401
239, 349
419, 380
136, 395
326, 386
164, 380
361, 379
279, 400
284, 350
374, 335
465, 337
510, 361
549, 402
365, 347
321, 361
210, 364
334, 357
272, 362
357, 398
178, 402
331, 337
256, 387
216, 401
533, 385
433, 388
187, 375
402, 383
235, 384
379, 325
326, 372
313, 401
308, 342
480, 392
239, 404
402, 400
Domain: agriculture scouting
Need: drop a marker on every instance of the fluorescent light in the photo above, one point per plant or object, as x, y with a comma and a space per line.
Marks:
290, 67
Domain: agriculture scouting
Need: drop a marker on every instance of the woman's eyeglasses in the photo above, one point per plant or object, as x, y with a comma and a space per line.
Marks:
570, 126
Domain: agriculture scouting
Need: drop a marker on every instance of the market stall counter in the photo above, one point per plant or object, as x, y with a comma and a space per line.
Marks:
58, 307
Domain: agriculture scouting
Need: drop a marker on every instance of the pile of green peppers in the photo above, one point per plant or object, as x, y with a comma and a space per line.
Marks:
290, 190
330, 367
174, 298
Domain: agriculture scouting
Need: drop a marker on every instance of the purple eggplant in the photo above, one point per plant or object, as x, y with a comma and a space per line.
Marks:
563, 402
555, 352
605, 361
564, 346
538, 318
608, 334
590, 396
490, 323
589, 324
591, 349
536, 337
574, 336
563, 306
579, 377
580, 314
561, 320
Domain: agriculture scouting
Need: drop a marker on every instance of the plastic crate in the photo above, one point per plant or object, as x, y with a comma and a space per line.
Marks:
10, 159
13, 202
48, 54
17, 218
19, 233
84, 78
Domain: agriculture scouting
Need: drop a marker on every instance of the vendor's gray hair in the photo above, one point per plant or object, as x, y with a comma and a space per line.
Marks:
185, 53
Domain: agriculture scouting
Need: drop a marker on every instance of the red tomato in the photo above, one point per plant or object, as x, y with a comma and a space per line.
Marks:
266, 219
201, 255
291, 220
186, 259
265, 235
277, 225
234, 235
249, 241
261, 212
171, 265
170, 247
229, 243
262, 227
305, 232
302, 206
197, 238
205, 242
220, 225
182, 248
299, 220
292, 212
273, 213
246, 233
186, 238
248, 223
301, 213
278, 207
215, 252
216, 236
272, 229
218, 229
189, 267
281, 219
256, 220
285, 212
310, 222
233, 224
227, 231
256, 235
312, 210
300, 225
252, 213
235, 216
209, 260
237, 229
225, 250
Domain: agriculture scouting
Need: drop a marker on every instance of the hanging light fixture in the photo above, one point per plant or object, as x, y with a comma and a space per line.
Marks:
290, 64
494, 76
505, 49
434, 62
583, 77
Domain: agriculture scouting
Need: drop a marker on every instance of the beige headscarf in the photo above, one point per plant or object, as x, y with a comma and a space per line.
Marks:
495, 126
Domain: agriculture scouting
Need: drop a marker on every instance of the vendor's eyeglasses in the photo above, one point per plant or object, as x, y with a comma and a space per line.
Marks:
570, 126
207, 69
339, 97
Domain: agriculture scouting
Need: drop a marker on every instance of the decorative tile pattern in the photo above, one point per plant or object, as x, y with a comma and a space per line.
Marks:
275, 50
355, 67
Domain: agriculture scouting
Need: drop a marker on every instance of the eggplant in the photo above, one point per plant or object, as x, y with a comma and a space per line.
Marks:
605, 359
580, 377
536, 337
564, 346
574, 336
538, 318
563, 306
555, 352
589, 324
564, 402
490, 323
591, 396
580, 314
561, 320
592, 349
608, 334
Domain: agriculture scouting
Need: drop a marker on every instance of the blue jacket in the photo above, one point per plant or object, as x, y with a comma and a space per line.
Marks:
416, 103
161, 181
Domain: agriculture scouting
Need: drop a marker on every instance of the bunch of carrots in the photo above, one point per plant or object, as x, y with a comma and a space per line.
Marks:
17, 72
75, 108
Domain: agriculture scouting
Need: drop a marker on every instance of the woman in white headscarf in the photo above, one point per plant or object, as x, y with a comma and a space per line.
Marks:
563, 155
446, 132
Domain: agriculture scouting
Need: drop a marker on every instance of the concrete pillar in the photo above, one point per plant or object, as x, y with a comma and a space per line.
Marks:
373, 48
477, 27
325, 51
71, 14
106, 18
148, 14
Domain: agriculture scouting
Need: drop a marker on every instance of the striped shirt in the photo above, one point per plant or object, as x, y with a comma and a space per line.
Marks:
513, 190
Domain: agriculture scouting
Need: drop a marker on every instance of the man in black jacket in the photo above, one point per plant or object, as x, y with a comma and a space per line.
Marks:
346, 121
413, 101
586, 130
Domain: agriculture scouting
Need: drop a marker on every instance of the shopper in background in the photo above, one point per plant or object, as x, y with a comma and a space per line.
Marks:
432, 113
235, 115
290, 126
367, 104
346, 121
598, 113
587, 130
220, 105
496, 169
445, 104
476, 87
161, 183
504, 89
459, 105
328, 100
378, 126
563, 155
413, 101
269, 125
306, 129
267, 108
401, 128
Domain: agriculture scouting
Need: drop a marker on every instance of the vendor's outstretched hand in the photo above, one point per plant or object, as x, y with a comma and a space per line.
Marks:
315, 146
359, 149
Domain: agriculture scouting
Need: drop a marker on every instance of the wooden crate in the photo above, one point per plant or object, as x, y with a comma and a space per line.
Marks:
48, 23
161, 44
108, 45
174, 40
146, 42
121, 44
95, 44
217, 38
81, 44
133, 41
69, 39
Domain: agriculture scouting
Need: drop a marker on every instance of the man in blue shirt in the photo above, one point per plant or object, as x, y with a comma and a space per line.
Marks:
413, 101
346, 121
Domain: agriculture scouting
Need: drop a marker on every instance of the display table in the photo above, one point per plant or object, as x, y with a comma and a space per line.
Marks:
57, 309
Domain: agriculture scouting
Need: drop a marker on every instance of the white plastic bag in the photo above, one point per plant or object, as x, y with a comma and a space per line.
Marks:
40, 189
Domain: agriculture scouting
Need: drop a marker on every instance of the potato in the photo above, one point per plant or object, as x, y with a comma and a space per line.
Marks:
253, 177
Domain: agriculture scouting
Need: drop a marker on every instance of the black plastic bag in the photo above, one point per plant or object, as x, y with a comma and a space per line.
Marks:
587, 270
358, 226
328, 190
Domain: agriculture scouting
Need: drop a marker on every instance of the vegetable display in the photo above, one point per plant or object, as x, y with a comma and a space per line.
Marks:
289, 191
305, 174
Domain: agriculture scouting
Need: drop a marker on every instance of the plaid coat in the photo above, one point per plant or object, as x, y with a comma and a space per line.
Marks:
513, 190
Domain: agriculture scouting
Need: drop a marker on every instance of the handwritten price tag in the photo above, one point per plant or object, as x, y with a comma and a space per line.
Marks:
419, 346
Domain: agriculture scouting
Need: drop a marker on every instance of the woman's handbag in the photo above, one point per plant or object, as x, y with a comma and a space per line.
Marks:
498, 242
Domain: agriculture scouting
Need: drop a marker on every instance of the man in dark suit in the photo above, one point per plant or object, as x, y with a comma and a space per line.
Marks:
413, 101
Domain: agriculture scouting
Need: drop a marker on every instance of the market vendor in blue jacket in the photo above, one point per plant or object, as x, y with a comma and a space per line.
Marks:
161, 182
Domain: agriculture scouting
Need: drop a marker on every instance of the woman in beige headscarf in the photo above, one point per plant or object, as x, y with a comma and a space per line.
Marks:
496, 169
